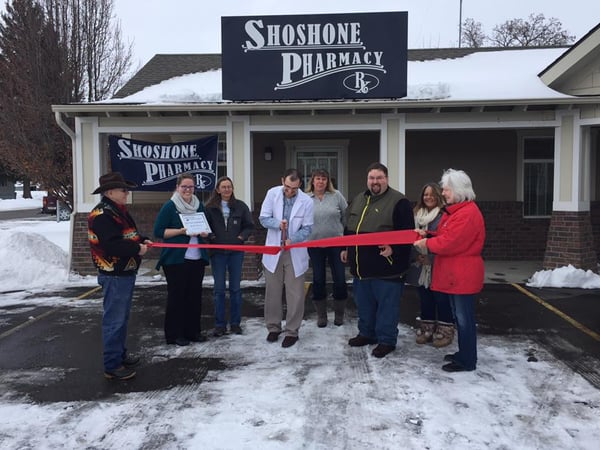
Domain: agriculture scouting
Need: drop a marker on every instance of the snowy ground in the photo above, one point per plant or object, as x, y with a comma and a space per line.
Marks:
319, 394
22, 203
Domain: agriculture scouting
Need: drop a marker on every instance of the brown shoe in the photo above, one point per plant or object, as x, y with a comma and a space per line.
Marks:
288, 341
273, 336
120, 373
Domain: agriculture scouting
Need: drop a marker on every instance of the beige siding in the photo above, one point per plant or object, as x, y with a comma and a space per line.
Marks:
566, 160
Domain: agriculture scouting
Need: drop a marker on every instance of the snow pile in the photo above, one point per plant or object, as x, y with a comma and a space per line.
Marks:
568, 276
31, 261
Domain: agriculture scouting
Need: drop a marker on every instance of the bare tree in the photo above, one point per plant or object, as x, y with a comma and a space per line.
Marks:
53, 52
32, 72
537, 31
472, 34
99, 59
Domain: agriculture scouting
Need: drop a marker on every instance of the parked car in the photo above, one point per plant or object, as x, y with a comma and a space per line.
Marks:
49, 204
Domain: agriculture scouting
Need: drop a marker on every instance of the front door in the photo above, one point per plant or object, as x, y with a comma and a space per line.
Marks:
307, 156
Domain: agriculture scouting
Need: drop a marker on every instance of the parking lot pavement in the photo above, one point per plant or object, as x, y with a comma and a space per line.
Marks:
53, 353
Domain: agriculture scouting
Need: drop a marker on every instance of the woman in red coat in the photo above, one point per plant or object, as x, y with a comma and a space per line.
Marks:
458, 266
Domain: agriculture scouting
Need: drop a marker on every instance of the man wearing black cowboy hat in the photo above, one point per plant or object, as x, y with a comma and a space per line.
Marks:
117, 249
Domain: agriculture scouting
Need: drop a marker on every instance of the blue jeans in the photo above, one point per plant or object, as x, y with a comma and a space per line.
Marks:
319, 257
221, 263
118, 293
378, 305
463, 308
435, 305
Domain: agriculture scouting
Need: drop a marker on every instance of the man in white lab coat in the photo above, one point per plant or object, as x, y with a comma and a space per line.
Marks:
287, 214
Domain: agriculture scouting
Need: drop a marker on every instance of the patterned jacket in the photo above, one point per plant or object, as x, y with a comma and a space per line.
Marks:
114, 239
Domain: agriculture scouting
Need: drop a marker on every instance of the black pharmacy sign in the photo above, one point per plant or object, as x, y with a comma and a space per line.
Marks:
314, 57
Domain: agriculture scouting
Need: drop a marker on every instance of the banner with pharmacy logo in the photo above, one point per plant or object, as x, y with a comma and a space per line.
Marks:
155, 166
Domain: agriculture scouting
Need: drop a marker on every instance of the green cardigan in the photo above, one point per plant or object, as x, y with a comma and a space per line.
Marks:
168, 217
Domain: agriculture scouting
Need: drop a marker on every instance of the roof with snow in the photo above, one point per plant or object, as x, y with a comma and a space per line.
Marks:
433, 74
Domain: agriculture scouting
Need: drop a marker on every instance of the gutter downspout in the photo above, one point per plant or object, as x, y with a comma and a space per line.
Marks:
62, 124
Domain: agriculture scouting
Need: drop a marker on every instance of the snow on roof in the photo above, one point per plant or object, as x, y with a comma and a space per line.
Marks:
494, 75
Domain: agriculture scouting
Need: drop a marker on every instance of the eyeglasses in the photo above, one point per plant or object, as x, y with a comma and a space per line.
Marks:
186, 187
290, 188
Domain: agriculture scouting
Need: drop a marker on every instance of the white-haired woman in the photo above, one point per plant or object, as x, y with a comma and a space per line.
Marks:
458, 266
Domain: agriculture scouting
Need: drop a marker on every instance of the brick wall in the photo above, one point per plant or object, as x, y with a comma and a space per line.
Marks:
595, 219
511, 237
570, 241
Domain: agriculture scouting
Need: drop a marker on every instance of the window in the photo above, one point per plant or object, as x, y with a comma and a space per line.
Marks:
308, 155
538, 176
309, 161
221, 156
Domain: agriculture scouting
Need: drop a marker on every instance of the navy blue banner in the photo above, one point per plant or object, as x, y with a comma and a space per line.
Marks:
154, 166
314, 57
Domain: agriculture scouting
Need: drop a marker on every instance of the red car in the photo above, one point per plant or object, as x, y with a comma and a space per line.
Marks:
49, 204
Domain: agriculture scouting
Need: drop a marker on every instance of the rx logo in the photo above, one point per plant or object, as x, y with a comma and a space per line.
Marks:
361, 82
202, 181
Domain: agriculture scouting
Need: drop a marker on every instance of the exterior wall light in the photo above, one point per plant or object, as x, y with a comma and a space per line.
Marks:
268, 153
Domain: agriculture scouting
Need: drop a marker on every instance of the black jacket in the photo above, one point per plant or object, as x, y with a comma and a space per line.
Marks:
370, 214
239, 224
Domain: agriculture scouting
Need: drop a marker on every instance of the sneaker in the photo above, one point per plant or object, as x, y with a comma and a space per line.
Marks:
288, 341
361, 341
273, 336
382, 349
121, 374
131, 360
235, 329
219, 331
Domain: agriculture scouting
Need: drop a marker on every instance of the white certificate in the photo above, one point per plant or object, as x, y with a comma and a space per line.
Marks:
195, 223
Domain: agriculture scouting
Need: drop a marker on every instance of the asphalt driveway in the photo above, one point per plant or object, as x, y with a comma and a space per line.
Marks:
33, 338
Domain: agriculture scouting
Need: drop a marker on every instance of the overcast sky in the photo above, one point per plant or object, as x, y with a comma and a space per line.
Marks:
192, 26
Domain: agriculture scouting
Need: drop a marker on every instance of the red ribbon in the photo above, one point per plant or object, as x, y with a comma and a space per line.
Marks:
400, 237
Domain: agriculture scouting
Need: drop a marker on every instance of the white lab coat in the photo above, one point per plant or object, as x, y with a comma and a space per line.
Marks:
301, 215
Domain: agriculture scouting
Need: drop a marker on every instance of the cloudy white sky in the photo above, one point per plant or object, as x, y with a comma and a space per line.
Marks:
190, 26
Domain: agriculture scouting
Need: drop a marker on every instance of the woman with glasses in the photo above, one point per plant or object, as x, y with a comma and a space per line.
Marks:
183, 267
231, 223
